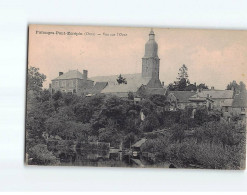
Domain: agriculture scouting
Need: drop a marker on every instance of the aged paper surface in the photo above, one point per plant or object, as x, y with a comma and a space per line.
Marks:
136, 97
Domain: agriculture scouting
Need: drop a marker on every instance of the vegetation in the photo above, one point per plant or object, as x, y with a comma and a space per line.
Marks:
237, 88
121, 80
214, 145
183, 84
70, 119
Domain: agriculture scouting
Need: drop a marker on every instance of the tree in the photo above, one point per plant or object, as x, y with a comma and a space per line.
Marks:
191, 87
183, 73
159, 100
242, 86
182, 84
171, 87
178, 132
233, 86
182, 80
202, 86
35, 79
121, 80
150, 123
40, 155
131, 95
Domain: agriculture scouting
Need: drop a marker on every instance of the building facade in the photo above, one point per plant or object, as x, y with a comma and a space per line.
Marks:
72, 82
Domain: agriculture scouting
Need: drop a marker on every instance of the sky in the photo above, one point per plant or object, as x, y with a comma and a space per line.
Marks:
213, 57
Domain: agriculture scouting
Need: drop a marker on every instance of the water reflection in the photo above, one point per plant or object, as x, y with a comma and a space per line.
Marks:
88, 156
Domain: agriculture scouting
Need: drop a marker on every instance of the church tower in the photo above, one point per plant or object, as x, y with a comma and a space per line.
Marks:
151, 61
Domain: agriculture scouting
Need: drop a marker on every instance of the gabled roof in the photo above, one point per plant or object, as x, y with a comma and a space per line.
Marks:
217, 94
154, 83
134, 82
240, 100
199, 99
182, 96
155, 91
71, 74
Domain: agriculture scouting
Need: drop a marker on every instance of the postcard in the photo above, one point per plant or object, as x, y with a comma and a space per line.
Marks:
136, 97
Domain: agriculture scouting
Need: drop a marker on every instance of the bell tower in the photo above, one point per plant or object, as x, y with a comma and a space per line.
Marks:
151, 61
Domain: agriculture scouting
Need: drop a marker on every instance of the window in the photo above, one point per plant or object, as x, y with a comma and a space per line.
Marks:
242, 109
57, 84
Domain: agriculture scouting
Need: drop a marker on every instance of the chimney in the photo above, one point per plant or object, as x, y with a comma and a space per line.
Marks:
84, 74
60, 73
212, 88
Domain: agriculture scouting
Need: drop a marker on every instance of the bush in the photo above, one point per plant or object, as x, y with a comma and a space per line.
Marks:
39, 155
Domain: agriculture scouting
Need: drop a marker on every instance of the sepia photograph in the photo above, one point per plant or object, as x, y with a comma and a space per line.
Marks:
141, 97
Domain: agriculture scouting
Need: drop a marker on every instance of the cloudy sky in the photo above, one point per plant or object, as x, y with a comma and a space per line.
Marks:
214, 57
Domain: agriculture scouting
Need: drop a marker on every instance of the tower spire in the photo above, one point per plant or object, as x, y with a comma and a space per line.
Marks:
151, 34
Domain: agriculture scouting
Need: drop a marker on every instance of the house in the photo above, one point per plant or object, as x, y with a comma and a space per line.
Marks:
196, 101
72, 81
227, 107
179, 99
221, 98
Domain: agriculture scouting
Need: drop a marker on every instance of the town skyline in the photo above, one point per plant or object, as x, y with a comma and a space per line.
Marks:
207, 54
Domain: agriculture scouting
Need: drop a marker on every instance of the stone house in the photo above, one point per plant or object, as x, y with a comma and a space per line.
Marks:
73, 82
196, 101
179, 99
221, 98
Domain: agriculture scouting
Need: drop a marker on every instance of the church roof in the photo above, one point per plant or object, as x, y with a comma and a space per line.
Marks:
98, 87
134, 82
71, 74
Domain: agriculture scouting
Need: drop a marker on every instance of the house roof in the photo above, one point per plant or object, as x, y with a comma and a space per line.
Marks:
71, 74
134, 82
198, 99
98, 87
240, 100
139, 143
154, 83
182, 96
217, 94
155, 91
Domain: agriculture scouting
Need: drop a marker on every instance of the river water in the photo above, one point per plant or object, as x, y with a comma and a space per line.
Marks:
98, 158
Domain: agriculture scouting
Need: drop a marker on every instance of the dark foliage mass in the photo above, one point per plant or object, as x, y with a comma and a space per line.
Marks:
203, 140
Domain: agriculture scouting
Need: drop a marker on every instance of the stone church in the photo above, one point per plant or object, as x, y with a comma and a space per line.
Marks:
148, 81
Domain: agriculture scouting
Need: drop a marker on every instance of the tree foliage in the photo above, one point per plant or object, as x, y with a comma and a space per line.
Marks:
121, 80
35, 79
